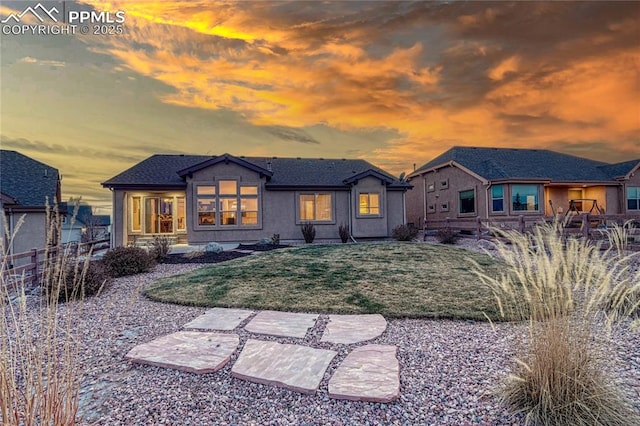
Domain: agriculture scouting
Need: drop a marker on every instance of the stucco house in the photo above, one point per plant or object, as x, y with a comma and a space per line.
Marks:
198, 199
26, 186
489, 183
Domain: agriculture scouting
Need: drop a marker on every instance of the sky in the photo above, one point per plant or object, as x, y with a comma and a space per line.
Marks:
394, 83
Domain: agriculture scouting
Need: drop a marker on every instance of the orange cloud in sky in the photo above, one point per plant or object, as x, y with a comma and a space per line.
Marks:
278, 65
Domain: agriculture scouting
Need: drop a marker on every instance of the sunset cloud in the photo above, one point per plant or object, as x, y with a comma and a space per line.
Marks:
392, 82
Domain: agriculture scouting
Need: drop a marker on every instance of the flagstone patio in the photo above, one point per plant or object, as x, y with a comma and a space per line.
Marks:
368, 373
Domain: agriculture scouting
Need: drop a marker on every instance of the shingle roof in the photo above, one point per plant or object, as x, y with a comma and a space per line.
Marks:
162, 170
535, 164
619, 169
27, 181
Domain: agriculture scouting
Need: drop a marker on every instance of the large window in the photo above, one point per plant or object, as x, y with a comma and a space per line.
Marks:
497, 198
315, 207
206, 195
181, 214
369, 204
226, 204
633, 198
524, 197
467, 202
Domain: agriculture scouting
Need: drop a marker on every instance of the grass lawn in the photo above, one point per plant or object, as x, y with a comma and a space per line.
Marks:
393, 279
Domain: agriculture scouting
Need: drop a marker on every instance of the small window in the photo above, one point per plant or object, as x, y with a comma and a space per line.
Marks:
444, 184
228, 187
497, 198
431, 187
136, 214
444, 207
431, 207
248, 190
633, 198
467, 202
369, 204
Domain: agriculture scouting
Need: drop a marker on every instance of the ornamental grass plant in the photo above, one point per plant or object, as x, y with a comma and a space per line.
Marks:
569, 291
39, 367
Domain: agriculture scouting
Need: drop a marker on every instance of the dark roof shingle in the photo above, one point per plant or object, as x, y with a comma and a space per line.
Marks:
535, 164
27, 181
162, 170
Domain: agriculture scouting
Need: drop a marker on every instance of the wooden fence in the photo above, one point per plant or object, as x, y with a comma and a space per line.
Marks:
30, 264
587, 225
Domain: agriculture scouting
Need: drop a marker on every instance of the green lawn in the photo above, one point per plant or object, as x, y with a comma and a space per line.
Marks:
393, 279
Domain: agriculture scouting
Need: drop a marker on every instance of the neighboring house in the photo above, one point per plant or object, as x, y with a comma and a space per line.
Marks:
503, 182
81, 225
26, 187
198, 199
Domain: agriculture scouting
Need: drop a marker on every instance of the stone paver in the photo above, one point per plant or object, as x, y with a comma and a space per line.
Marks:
286, 324
348, 329
195, 351
369, 373
219, 319
294, 367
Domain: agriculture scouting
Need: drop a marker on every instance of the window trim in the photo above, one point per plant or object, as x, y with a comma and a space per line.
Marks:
332, 195
493, 199
238, 197
627, 199
524, 212
360, 214
475, 203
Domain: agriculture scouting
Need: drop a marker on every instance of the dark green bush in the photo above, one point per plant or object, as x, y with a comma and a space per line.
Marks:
308, 232
404, 233
343, 230
123, 261
79, 281
160, 248
447, 236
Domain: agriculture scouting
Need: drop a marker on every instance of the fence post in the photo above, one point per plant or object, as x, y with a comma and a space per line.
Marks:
521, 224
585, 225
478, 227
34, 266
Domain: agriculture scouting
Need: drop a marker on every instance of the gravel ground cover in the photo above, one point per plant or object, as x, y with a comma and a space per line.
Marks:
448, 369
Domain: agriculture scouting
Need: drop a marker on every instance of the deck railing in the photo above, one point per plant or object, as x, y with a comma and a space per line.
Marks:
30, 265
587, 225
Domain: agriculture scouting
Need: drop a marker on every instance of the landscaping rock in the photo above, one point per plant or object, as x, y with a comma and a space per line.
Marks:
286, 324
369, 373
194, 351
265, 242
294, 367
348, 329
219, 319
213, 248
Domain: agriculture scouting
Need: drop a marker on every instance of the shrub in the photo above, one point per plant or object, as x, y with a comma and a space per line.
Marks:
160, 248
123, 261
404, 232
79, 281
275, 240
343, 230
308, 232
447, 236
559, 287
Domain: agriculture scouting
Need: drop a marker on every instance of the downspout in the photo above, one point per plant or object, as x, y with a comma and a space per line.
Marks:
404, 208
424, 204
351, 214
486, 204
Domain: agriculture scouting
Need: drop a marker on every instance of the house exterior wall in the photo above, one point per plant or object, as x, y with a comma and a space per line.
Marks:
415, 202
441, 197
32, 233
367, 226
395, 214
278, 210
